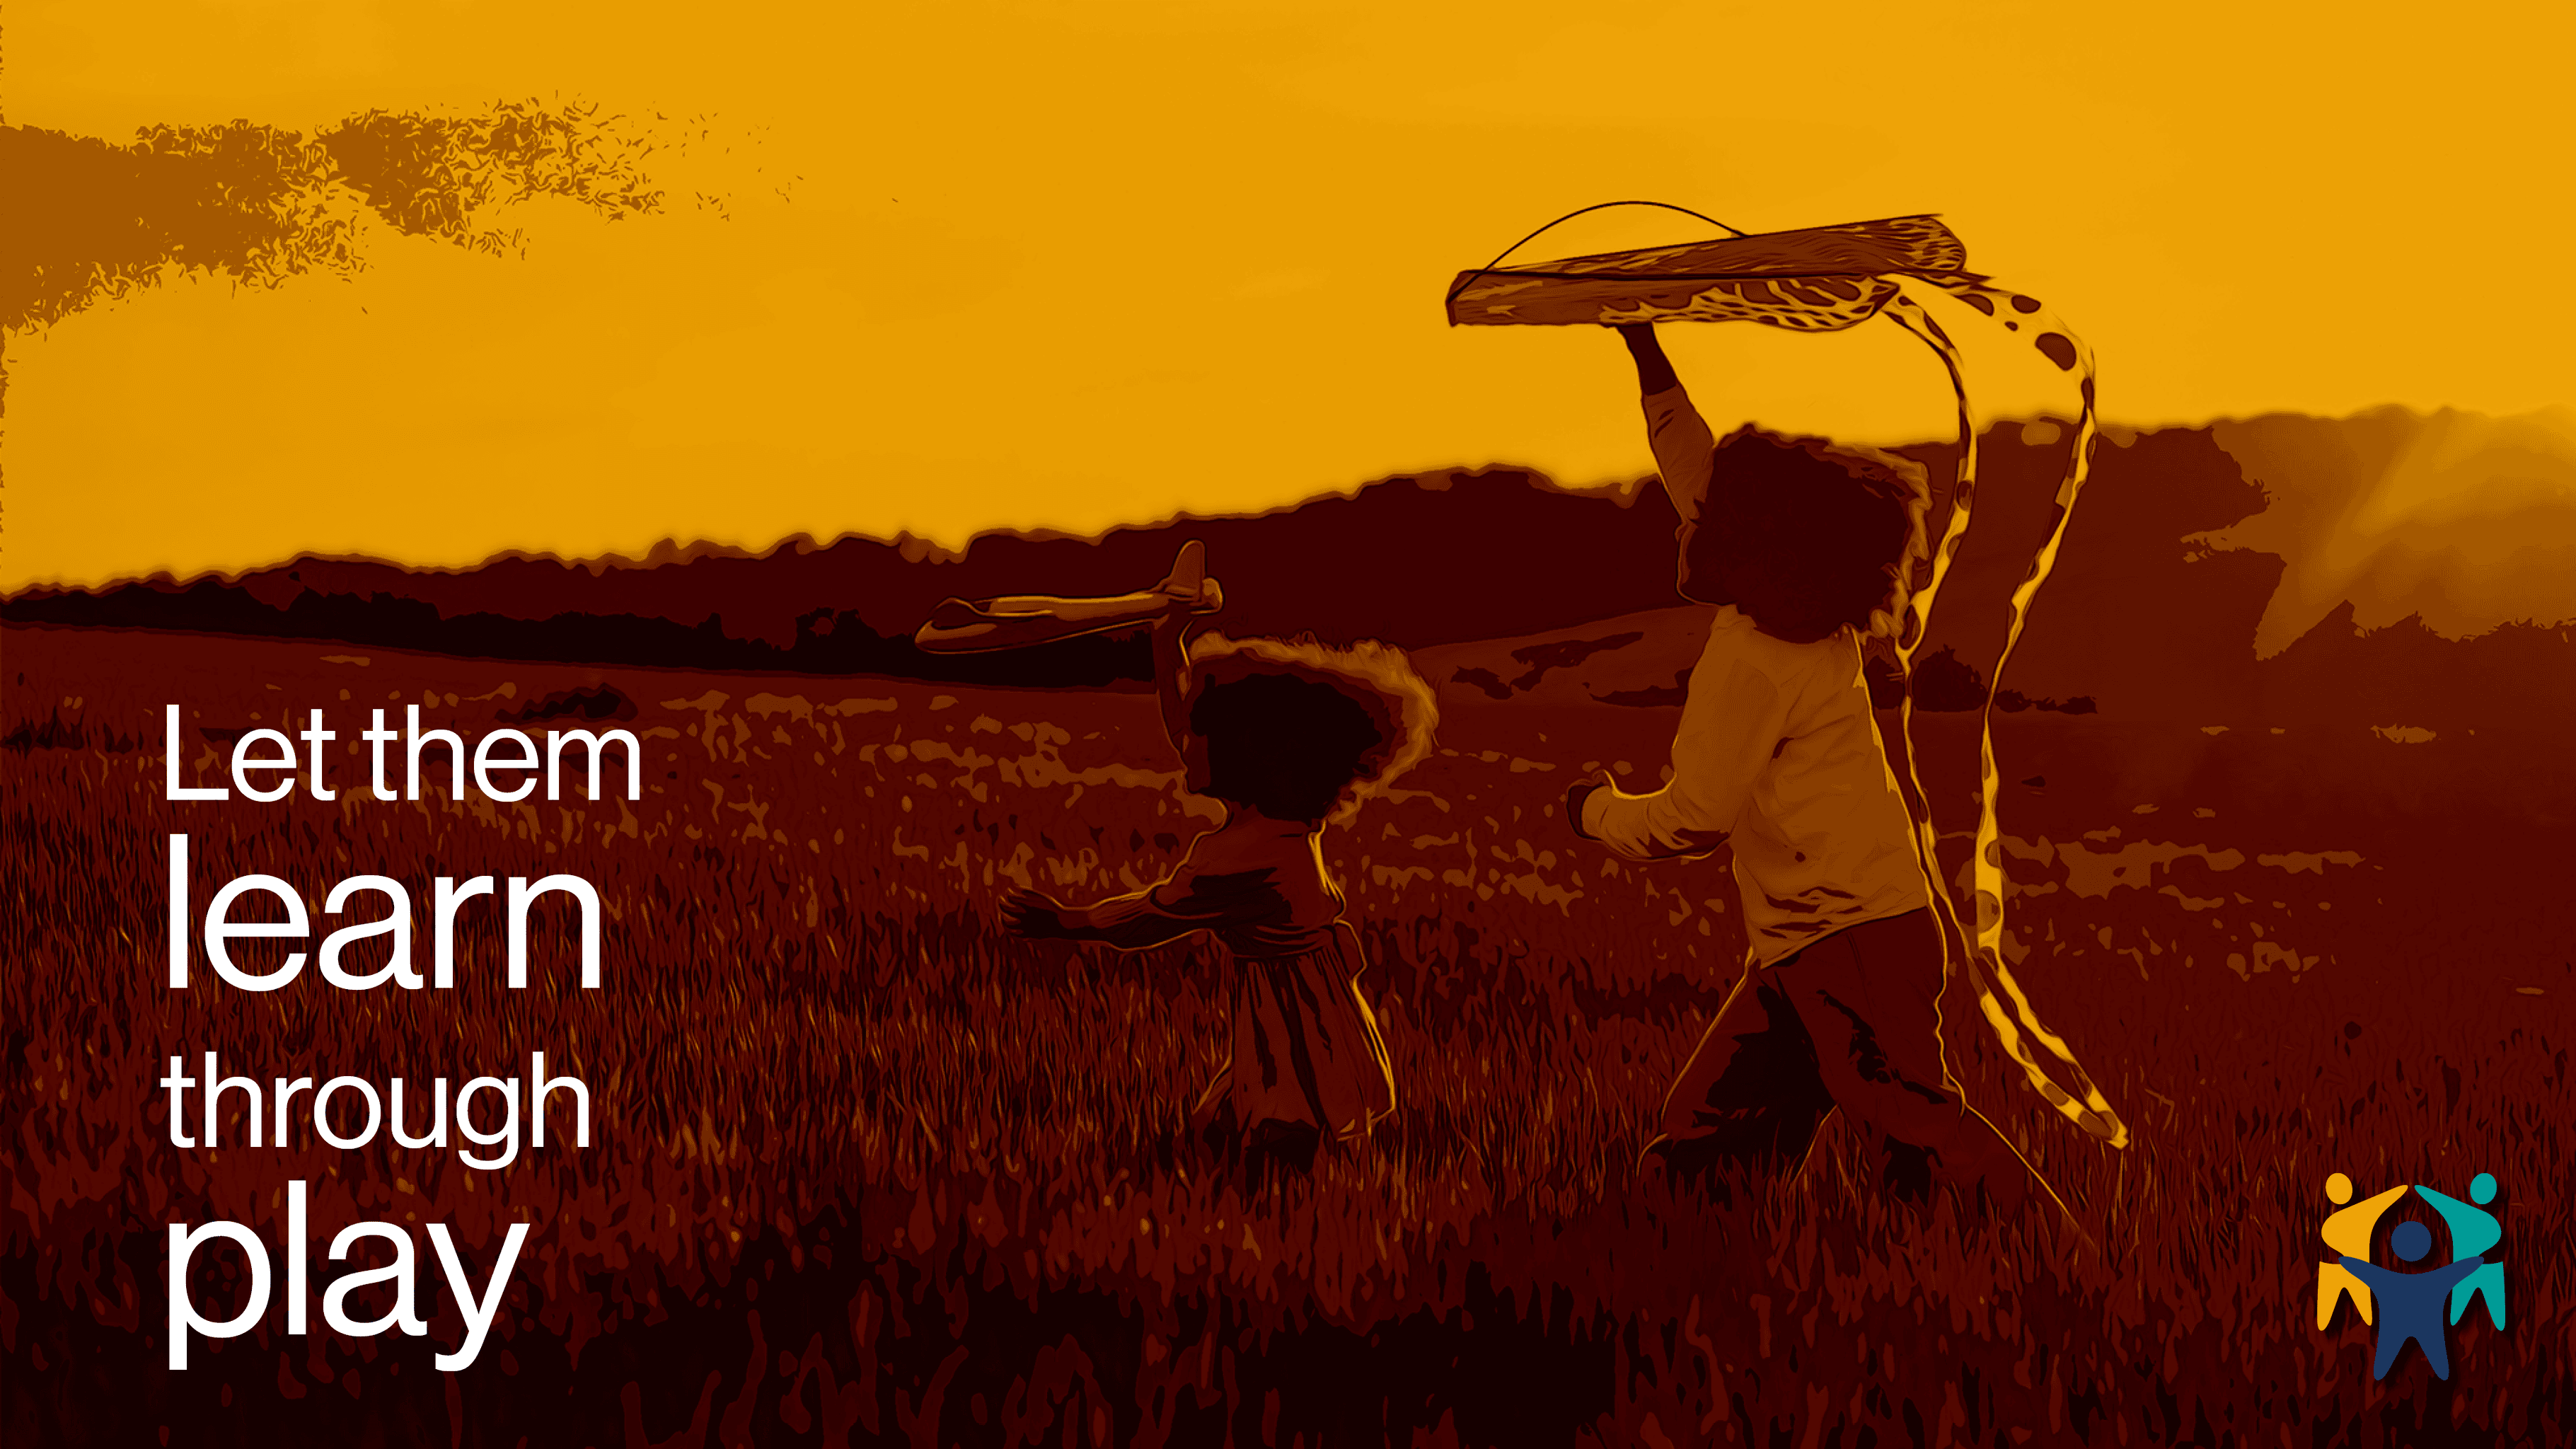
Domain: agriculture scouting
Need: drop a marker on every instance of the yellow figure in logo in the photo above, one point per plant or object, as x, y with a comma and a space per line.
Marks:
2348, 1233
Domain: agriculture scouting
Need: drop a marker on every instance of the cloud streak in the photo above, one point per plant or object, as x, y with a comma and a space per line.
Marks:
263, 206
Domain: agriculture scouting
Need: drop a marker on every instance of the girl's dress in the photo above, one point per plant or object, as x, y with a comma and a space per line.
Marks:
1307, 1050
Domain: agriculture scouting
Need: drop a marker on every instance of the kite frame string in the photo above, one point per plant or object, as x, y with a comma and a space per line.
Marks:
1983, 946
1482, 272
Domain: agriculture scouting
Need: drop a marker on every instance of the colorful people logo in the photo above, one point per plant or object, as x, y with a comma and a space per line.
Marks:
2406, 1306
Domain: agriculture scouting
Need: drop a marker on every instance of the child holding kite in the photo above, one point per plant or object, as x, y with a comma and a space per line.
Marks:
1805, 548
1804, 551
1289, 736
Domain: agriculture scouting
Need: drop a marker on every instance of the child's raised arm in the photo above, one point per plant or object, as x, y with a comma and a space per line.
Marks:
1172, 690
1684, 448
1654, 370
1187, 592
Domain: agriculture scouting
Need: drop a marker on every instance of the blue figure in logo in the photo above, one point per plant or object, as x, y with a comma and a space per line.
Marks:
2410, 1304
2473, 1231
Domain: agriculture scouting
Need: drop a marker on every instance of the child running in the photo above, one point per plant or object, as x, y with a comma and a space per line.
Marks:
1804, 551
1289, 737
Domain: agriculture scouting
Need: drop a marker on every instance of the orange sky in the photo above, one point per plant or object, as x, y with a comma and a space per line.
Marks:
1050, 265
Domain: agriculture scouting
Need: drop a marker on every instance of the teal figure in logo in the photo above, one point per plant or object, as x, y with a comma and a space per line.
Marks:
2473, 1231
2410, 1304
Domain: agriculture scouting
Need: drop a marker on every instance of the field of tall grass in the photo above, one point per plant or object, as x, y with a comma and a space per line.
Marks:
866, 1170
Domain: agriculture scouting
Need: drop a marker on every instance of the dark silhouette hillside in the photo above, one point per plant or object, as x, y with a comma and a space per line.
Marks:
2148, 615
1418, 560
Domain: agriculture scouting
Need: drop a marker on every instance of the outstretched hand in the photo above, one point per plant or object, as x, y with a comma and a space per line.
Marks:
1201, 596
1034, 915
1187, 587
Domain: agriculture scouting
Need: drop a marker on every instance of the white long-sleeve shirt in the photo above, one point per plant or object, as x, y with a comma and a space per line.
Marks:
1777, 754
1686, 459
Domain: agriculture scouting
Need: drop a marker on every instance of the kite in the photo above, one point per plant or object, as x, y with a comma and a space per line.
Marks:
1829, 279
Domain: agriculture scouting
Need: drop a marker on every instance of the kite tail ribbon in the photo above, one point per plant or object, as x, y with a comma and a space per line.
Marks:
2085, 1105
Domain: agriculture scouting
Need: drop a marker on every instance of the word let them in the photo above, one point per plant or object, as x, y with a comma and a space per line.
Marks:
498, 757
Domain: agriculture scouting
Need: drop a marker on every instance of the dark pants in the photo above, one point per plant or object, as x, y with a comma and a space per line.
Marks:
1850, 1023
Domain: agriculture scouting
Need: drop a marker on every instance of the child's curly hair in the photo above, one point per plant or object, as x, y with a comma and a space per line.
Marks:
1301, 731
1808, 537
